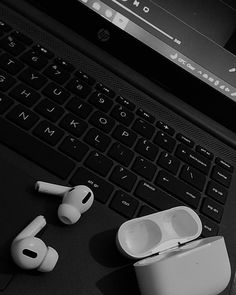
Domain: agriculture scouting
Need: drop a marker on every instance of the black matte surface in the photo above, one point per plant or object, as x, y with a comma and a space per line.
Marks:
89, 262
85, 249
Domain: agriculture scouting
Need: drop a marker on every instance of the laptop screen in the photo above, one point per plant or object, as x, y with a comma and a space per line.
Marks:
186, 46
199, 36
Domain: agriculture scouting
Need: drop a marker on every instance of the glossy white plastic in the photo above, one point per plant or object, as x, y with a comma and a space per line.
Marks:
148, 235
181, 266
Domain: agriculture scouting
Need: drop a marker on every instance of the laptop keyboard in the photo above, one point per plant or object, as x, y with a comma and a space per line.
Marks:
79, 129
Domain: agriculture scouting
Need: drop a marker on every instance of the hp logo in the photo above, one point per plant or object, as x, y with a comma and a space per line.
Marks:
103, 35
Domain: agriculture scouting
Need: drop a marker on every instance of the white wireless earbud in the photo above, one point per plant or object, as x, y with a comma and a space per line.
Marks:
76, 200
30, 252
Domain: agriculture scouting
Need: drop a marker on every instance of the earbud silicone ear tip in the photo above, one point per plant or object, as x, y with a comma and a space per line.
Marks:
68, 214
49, 261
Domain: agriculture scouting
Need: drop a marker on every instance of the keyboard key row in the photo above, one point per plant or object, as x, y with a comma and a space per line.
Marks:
42, 66
50, 159
35, 150
51, 134
58, 94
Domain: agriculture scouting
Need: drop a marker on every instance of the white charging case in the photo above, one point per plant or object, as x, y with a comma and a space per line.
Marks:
176, 266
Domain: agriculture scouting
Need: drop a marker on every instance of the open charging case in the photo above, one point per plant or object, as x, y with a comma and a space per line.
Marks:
171, 262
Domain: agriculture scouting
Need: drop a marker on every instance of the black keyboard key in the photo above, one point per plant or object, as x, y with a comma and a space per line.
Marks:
146, 149
32, 78
73, 124
224, 164
217, 191
12, 45
6, 81
182, 138
144, 168
64, 64
166, 128
169, 162
57, 73
34, 59
48, 132
79, 88
179, 189
145, 115
193, 158
35, 150
22, 38
43, 51
102, 121
201, 150
49, 110
74, 148
102, 189
25, 94
124, 135
105, 90
155, 197
123, 178
23, 117
146, 210
209, 227
5, 103
165, 141
212, 209
5, 27
85, 77
99, 163
121, 154
221, 175
56, 93
143, 128
125, 102
124, 204
97, 139
10, 64
101, 101
122, 115
79, 107
193, 177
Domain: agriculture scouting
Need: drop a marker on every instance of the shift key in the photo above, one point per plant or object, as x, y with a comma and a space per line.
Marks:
102, 189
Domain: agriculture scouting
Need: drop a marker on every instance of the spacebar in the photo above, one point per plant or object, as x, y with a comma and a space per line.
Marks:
35, 150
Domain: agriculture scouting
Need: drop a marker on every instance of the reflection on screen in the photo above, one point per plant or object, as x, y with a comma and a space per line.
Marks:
214, 19
192, 34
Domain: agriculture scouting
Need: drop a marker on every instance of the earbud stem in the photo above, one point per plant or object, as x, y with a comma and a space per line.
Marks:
52, 189
32, 229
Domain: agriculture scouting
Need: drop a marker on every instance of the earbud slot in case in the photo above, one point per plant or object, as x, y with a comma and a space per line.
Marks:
171, 262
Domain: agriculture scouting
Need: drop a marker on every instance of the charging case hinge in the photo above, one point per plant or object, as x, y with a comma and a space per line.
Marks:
174, 248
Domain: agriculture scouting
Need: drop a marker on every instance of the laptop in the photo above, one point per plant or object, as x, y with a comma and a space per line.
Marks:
135, 99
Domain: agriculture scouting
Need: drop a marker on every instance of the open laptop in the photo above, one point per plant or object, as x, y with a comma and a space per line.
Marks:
134, 98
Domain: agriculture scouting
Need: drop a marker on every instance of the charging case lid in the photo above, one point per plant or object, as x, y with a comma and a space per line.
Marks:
158, 232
